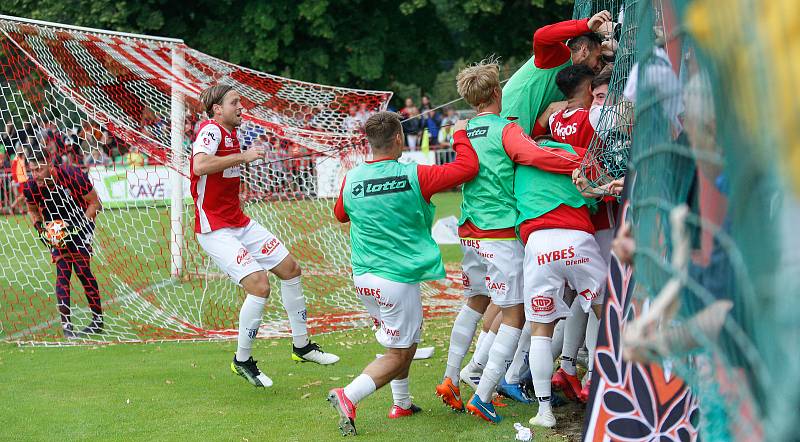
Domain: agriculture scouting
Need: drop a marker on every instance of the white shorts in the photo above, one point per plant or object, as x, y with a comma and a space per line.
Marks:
395, 307
604, 239
244, 250
493, 268
556, 256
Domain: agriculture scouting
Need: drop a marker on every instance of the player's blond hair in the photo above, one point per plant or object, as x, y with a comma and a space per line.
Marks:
477, 83
213, 95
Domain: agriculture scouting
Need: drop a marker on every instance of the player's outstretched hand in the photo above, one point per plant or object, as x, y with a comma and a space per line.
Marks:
460, 125
598, 19
254, 153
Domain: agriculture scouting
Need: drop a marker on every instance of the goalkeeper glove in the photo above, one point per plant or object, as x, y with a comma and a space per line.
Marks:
41, 233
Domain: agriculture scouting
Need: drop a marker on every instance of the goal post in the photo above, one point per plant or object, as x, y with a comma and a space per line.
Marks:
177, 117
82, 93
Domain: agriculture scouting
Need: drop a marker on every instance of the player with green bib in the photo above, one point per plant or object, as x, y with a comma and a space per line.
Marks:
532, 88
493, 255
557, 230
390, 213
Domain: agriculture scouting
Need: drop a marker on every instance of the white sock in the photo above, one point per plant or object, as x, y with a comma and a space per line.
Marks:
520, 362
249, 320
541, 369
500, 356
481, 355
400, 393
558, 340
460, 338
481, 338
591, 338
295, 305
479, 341
361, 387
574, 332
544, 405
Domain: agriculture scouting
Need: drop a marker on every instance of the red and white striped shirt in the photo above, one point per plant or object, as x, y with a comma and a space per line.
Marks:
216, 195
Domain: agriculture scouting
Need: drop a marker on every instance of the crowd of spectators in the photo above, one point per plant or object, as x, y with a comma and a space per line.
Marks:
86, 145
437, 122
416, 121
287, 168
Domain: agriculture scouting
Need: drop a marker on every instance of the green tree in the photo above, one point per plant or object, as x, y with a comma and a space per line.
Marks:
357, 43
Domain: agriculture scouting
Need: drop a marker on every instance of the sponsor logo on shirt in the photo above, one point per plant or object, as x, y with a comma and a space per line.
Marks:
564, 131
269, 246
588, 294
478, 132
232, 172
474, 243
243, 258
555, 255
380, 186
543, 304
207, 137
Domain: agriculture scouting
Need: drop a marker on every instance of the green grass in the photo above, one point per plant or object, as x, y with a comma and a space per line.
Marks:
185, 391
448, 204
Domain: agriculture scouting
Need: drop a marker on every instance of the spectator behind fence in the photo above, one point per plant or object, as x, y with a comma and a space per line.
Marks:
426, 105
412, 127
412, 124
363, 114
6, 192
9, 138
408, 109
95, 158
445, 135
133, 158
351, 123
19, 175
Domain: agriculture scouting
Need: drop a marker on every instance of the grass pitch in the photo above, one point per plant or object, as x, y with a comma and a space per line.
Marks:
186, 391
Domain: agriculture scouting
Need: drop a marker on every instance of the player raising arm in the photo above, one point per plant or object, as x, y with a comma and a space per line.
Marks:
241, 247
390, 213
533, 87
493, 256
63, 204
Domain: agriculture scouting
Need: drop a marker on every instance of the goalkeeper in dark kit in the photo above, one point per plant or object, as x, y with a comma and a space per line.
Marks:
63, 204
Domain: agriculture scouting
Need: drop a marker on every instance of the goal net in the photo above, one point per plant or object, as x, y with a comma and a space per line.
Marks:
694, 345
124, 108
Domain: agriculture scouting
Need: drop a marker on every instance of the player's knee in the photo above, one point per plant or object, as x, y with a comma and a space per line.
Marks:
514, 316
479, 303
288, 269
295, 270
257, 284
262, 291
540, 329
403, 355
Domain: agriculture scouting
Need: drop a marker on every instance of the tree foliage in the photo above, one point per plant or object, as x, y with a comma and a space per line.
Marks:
357, 43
